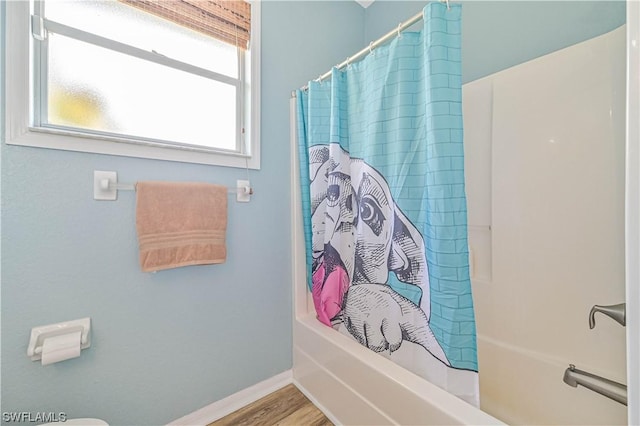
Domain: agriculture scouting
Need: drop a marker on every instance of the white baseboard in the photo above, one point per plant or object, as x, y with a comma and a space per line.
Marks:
228, 405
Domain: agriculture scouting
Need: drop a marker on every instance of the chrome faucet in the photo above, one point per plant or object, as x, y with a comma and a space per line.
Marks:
616, 312
609, 388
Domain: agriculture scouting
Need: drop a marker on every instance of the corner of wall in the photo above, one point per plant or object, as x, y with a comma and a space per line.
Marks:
2, 38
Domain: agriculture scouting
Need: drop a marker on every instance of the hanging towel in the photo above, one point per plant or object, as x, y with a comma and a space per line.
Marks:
180, 224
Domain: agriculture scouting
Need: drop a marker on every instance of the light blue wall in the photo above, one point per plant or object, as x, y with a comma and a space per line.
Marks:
169, 343
499, 34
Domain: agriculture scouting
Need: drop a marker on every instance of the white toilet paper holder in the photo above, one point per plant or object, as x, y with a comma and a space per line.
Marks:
39, 334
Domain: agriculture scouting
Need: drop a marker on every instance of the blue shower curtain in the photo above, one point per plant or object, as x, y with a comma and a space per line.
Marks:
384, 207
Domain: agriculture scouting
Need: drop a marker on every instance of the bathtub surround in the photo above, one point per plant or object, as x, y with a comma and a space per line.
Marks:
544, 262
554, 200
65, 255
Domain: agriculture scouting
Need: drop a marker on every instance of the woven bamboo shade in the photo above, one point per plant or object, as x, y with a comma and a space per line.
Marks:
225, 20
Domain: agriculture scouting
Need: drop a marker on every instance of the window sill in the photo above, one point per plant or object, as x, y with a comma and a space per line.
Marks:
79, 142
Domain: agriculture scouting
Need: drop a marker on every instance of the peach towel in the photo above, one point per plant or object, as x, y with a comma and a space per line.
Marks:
180, 224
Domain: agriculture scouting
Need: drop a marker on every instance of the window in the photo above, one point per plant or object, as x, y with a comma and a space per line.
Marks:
169, 79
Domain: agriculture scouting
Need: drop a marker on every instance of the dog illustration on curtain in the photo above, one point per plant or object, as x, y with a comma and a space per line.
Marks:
359, 237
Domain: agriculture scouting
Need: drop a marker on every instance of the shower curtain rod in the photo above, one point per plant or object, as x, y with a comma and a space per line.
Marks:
374, 44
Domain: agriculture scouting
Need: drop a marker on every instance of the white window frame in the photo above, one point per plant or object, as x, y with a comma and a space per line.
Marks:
20, 130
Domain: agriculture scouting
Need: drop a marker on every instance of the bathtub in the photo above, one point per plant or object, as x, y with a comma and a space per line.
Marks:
353, 385
510, 232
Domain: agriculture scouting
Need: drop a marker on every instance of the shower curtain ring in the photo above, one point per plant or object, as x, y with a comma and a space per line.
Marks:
370, 47
399, 25
348, 62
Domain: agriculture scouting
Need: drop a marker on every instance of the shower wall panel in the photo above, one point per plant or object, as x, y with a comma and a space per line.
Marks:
546, 227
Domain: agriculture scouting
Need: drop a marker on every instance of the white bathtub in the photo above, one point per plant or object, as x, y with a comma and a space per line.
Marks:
355, 386
555, 124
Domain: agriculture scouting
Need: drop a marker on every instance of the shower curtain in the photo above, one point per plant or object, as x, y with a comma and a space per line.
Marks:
384, 207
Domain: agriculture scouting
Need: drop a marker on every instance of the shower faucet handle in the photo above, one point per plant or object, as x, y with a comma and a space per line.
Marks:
616, 312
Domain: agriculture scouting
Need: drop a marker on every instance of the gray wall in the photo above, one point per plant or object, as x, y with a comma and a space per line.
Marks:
169, 343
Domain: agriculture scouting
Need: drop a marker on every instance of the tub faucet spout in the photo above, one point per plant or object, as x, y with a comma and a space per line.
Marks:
616, 312
609, 388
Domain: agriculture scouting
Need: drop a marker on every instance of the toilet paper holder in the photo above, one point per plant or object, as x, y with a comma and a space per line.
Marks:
39, 334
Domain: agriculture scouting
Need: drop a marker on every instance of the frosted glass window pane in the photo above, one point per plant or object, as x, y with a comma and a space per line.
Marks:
126, 24
95, 88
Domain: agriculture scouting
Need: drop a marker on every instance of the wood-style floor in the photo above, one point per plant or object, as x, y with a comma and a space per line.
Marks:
286, 407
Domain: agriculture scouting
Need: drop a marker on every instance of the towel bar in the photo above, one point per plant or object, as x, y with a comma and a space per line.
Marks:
106, 187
